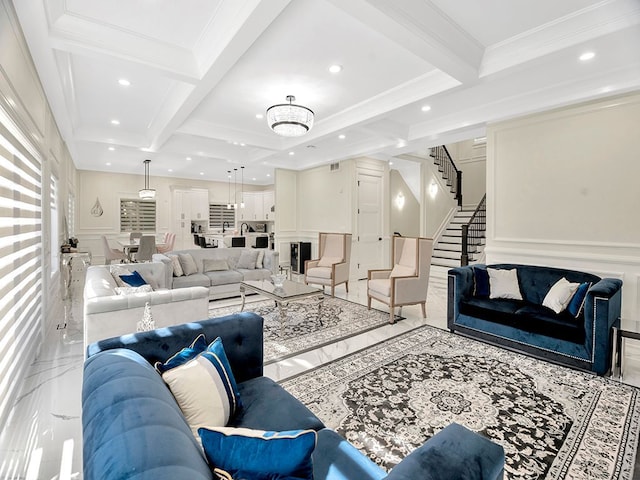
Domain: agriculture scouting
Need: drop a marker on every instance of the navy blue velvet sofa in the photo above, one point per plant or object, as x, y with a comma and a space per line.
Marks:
527, 326
133, 428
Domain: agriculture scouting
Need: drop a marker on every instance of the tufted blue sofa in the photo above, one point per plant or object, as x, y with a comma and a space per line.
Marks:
525, 325
133, 428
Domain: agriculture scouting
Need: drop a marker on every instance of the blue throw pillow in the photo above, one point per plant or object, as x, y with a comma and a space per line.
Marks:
134, 280
480, 282
576, 304
259, 455
198, 346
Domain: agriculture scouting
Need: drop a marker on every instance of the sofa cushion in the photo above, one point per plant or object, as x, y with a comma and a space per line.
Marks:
381, 286
260, 395
257, 274
319, 272
258, 454
402, 271
205, 388
195, 280
214, 265
131, 290
175, 264
223, 277
576, 304
560, 295
480, 282
187, 263
247, 260
504, 284
181, 357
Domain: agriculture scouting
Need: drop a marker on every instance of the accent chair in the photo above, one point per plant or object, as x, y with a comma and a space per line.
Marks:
169, 243
406, 283
332, 268
111, 254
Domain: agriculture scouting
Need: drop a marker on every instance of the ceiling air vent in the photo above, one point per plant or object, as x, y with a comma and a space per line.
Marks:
334, 167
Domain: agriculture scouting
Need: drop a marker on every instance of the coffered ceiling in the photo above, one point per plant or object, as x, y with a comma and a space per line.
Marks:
415, 73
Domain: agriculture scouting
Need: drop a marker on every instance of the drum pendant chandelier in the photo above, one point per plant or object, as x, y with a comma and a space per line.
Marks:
288, 119
147, 193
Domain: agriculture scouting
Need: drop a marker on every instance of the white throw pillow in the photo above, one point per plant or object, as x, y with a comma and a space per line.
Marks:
187, 263
116, 271
177, 268
248, 259
504, 284
402, 271
327, 261
260, 260
560, 295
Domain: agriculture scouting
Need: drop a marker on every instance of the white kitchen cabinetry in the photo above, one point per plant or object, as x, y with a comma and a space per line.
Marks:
257, 206
188, 205
199, 204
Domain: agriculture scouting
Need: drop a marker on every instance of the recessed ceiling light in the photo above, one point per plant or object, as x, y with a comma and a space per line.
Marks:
390, 163
268, 174
115, 122
342, 137
259, 116
170, 170
108, 164
235, 143
242, 144
201, 173
188, 158
111, 149
426, 108
292, 153
587, 56
254, 179
335, 68
124, 82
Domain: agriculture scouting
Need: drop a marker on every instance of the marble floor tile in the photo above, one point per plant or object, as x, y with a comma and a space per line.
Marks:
43, 437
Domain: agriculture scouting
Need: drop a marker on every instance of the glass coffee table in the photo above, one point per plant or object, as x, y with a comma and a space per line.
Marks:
282, 296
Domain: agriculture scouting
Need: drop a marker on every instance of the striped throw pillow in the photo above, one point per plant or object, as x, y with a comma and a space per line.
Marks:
204, 388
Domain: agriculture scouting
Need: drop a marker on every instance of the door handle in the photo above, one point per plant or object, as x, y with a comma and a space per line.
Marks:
379, 239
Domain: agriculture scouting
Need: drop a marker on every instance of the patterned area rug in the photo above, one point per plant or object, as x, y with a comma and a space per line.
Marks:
553, 422
302, 330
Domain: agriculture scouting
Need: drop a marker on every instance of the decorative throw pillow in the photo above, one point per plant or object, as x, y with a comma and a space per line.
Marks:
177, 268
205, 388
130, 290
248, 259
328, 261
133, 279
260, 259
480, 282
214, 265
559, 295
116, 271
258, 454
576, 304
146, 323
504, 284
402, 271
198, 346
187, 263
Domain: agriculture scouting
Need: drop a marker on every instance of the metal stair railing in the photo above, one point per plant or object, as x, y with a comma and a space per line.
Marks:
450, 172
474, 231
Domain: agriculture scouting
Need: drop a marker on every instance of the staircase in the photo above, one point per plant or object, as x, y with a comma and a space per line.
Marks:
448, 249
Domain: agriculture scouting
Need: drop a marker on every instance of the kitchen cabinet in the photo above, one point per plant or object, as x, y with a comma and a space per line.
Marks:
188, 205
257, 207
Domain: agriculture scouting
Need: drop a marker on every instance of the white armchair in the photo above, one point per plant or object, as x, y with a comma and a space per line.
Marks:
332, 268
407, 282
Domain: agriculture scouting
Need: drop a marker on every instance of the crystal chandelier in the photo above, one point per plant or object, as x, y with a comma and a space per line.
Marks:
147, 193
289, 120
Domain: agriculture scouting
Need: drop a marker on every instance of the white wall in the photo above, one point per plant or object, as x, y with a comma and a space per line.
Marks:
471, 158
562, 190
406, 218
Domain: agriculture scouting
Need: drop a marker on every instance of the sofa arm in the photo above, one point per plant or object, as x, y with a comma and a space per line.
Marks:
272, 261
340, 272
241, 334
602, 311
460, 286
453, 453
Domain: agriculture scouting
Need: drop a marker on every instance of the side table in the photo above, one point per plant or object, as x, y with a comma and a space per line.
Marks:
618, 335
66, 268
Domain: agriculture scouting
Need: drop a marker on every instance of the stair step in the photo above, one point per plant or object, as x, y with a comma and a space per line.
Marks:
446, 254
454, 247
444, 262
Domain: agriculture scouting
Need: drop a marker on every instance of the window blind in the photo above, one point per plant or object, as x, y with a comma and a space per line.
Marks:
219, 213
21, 272
137, 215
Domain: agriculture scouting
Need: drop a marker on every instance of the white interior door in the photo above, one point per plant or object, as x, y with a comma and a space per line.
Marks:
369, 242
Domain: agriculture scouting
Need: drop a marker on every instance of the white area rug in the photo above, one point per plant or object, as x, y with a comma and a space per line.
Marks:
302, 330
553, 422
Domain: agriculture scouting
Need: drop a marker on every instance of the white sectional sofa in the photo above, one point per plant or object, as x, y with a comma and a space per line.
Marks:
222, 282
108, 314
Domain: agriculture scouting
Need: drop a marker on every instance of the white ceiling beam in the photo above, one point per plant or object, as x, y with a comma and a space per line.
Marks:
245, 25
421, 28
